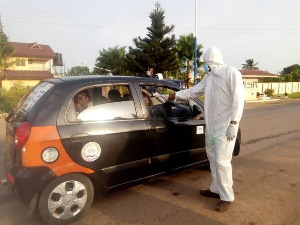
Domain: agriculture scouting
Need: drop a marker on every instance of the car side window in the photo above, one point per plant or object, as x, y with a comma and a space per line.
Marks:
109, 102
159, 106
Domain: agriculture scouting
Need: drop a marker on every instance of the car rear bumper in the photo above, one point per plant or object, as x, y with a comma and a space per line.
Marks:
27, 181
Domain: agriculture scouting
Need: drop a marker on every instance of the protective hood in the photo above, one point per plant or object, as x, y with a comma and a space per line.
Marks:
213, 57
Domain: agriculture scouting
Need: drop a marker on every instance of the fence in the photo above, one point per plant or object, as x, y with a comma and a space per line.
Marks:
279, 88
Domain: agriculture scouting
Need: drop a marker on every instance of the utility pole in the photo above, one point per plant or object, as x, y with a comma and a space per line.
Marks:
195, 47
1, 35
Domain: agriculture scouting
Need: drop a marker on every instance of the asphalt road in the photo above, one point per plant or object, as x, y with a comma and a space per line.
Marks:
266, 182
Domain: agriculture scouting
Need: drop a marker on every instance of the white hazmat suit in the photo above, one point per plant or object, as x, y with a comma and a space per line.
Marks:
223, 102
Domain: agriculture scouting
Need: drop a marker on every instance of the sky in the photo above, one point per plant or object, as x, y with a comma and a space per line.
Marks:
267, 31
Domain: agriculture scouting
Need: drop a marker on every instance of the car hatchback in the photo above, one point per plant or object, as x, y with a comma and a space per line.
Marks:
73, 137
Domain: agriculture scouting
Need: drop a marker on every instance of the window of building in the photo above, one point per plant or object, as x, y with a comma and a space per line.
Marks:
20, 62
30, 61
36, 47
248, 84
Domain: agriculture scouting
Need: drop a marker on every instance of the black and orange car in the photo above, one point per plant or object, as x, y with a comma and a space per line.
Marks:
73, 136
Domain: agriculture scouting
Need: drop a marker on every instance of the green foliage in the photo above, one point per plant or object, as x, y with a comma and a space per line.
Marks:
78, 71
5, 52
186, 54
269, 92
9, 99
291, 73
268, 80
156, 50
288, 78
250, 65
112, 59
290, 69
294, 95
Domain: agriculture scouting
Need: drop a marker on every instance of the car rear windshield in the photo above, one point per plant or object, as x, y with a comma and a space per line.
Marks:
26, 104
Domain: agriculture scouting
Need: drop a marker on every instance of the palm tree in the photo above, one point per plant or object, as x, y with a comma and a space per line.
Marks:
185, 48
112, 59
250, 65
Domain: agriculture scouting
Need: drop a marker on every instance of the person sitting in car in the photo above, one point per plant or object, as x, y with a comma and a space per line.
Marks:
114, 96
81, 101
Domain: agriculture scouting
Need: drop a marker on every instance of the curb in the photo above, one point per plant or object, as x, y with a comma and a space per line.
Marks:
258, 101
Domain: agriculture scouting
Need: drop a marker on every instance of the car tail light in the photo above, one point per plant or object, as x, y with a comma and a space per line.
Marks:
22, 134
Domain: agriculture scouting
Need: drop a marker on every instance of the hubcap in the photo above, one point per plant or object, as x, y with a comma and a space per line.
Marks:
67, 199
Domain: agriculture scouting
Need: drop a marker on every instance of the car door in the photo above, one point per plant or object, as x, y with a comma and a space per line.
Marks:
108, 137
186, 137
177, 138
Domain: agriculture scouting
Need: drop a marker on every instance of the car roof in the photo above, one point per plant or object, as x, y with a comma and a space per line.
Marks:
98, 78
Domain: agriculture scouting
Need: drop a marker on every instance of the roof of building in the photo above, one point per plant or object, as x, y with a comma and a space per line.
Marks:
257, 73
26, 75
34, 50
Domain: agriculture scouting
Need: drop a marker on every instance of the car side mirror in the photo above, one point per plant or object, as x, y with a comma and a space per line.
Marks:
196, 110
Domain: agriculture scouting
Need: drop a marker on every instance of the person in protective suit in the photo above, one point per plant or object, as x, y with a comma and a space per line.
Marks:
223, 107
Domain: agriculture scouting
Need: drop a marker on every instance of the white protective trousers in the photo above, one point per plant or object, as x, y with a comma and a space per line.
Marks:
219, 152
223, 102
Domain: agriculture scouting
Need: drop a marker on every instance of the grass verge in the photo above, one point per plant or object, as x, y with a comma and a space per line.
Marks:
294, 95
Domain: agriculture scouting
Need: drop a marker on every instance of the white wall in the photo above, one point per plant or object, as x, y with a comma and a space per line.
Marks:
295, 87
275, 87
260, 87
281, 88
289, 87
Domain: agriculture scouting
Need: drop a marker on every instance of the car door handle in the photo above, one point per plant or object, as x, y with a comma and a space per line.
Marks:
161, 129
79, 137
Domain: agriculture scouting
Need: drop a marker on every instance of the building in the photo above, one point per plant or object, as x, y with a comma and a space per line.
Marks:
33, 63
251, 79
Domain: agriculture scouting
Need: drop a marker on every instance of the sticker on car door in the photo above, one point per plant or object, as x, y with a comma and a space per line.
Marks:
199, 130
91, 151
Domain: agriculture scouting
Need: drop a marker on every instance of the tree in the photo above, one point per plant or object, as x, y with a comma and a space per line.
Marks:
112, 59
5, 53
9, 99
78, 71
250, 65
288, 77
291, 73
186, 53
290, 69
156, 50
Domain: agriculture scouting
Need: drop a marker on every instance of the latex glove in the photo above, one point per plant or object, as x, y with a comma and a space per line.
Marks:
177, 99
158, 96
231, 132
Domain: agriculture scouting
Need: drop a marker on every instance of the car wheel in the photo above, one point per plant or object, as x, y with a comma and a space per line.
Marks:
237, 146
66, 198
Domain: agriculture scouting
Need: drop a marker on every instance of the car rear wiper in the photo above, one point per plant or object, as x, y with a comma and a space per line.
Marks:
10, 115
14, 115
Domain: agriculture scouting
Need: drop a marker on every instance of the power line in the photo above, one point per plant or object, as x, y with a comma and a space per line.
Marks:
75, 25
128, 28
89, 16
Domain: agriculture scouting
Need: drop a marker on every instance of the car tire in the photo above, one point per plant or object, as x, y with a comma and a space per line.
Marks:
66, 198
237, 146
